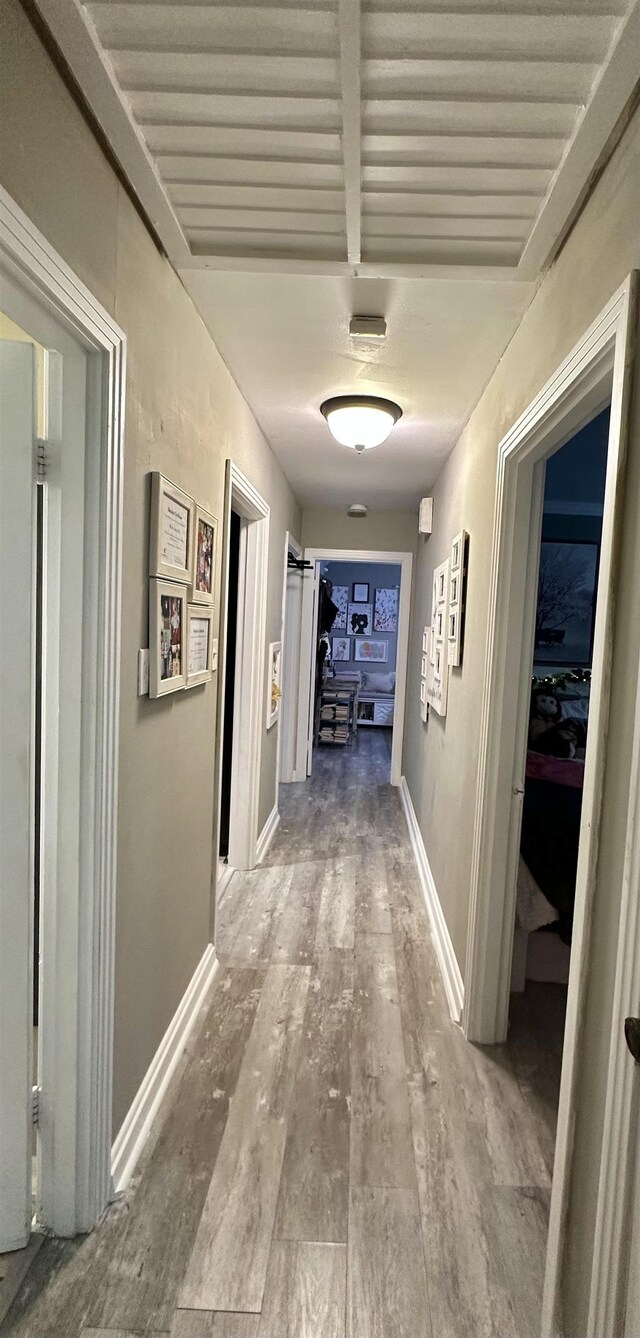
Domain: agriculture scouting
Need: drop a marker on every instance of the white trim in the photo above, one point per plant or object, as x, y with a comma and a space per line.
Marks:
445, 952
142, 1112
267, 834
78, 1054
307, 657
614, 86
597, 369
224, 878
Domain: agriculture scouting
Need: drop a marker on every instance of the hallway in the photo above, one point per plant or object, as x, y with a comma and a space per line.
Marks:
335, 1159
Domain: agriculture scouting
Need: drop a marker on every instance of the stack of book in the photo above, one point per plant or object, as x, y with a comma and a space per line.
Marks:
336, 714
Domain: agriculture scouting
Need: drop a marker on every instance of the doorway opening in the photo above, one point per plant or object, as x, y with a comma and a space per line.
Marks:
593, 381
61, 420
355, 631
241, 690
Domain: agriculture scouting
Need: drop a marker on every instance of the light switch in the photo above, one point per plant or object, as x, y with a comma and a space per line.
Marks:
143, 673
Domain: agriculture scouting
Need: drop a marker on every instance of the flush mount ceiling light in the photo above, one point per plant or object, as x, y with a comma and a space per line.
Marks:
360, 421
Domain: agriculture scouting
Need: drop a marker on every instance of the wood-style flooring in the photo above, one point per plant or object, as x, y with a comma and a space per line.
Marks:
335, 1161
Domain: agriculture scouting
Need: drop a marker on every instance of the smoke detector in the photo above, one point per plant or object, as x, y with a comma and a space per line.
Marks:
367, 327
358, 510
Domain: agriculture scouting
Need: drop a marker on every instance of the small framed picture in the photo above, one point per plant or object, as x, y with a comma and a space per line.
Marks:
199, 644
432, 645
439, 625
426, 638
442, 583
423, 691
359, 619
341, 648
453, 625
457, 550
171, 531
371, 651
274, 684
167, 637
203, 563
438, 663
454, 589
360, 592
425, 666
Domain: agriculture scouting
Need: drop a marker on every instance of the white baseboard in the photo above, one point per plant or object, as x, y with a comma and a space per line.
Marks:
144, 1108
267, 834
447, 960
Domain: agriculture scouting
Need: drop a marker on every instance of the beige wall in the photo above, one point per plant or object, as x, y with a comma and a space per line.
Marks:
441, 758
331, 527
185, 415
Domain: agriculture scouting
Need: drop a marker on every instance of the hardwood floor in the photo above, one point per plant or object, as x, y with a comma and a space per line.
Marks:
336, 1160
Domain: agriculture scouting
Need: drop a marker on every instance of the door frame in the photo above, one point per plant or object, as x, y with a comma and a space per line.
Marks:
290, 632
311, 580
249, 668
594, 373
78, 998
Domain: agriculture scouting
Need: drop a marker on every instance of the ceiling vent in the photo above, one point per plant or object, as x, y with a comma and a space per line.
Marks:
358, 510
367, 327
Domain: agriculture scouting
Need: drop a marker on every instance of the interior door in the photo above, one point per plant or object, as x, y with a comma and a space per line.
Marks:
17, 507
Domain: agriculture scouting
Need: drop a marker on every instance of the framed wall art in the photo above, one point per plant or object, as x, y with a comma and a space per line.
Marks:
340, 597
373, 652
274, 683
171, 531
385, 610
199, 644
359, 619
341, 648
167, 636
203, 562
438, 677
457, 582
360, 592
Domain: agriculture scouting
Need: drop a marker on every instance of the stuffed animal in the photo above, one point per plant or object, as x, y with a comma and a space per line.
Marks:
545, 713
566, 739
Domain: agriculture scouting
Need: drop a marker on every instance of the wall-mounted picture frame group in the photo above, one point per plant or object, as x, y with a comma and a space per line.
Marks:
182, 571
168, 637
274, 682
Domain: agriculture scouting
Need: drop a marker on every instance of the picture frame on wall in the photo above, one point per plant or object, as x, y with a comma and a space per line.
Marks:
341, 648
360, 592
385, 609
371, 652
274, 682
340, 597
200, 644
171, 531
359, 619
167, 637
205, 530
457, 581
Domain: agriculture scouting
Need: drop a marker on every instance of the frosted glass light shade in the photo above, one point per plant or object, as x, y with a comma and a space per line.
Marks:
360, 421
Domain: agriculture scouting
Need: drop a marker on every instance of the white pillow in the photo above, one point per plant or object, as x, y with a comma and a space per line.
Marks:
379, 682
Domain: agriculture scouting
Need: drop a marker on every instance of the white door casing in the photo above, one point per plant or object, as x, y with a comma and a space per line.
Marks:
17, 496
597, 371
83, 534
290, 638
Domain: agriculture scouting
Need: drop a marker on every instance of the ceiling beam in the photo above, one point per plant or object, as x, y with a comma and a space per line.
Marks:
350, 58
570, 184
77, 39
382, 269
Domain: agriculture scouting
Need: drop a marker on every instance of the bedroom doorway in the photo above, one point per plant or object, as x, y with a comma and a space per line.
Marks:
557, 731
592, 1165
353, 664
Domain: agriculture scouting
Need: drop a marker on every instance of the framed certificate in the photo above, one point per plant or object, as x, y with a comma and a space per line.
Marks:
200, 645
171, 534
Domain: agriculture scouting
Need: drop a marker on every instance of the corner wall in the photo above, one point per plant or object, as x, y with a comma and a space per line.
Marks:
184, 416
440, 760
